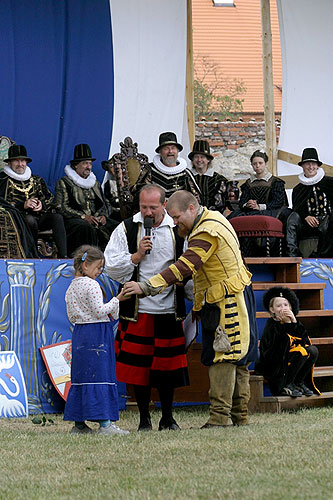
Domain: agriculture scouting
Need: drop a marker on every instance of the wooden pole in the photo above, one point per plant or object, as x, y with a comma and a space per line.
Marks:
267, 65
189, 76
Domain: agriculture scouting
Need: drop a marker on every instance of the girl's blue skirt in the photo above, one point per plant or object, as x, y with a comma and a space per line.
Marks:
93, 394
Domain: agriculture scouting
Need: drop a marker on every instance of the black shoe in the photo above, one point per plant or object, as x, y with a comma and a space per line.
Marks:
171, 425
292, 391
304, 390
145, 425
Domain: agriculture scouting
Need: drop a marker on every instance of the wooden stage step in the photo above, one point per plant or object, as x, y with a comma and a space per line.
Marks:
261, 285
261, 403
322, 340
319, 371
273, 260
277, 403
285, 269
308, 313
310, 295
323, 371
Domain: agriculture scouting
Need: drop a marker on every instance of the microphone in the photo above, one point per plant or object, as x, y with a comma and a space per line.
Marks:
148, 224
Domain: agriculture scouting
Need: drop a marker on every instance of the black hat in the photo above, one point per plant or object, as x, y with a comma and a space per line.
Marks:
310, 154
168, 138
81, 153
16, 152
286, 293
202, 148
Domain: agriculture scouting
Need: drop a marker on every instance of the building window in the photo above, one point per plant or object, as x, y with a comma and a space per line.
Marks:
224, 3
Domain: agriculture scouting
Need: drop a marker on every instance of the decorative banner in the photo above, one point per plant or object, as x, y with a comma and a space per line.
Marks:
58, 360
13, 392
33, 315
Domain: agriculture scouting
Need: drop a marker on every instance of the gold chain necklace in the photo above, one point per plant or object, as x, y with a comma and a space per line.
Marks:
24, 190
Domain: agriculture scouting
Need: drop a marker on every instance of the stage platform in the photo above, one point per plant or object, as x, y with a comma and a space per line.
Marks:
33, 315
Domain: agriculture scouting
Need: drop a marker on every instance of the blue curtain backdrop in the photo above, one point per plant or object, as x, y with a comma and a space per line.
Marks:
56, 83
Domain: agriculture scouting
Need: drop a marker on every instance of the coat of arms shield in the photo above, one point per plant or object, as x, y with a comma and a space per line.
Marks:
58, 359
13, 392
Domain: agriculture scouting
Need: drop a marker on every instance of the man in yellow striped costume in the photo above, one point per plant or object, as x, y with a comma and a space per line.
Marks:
222, 295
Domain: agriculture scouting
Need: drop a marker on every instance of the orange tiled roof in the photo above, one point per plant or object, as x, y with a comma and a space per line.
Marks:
231, 36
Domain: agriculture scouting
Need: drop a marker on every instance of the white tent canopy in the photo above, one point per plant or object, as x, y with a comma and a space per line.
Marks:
307, 102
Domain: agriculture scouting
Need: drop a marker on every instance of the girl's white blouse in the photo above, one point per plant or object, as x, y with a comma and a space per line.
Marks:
84, 302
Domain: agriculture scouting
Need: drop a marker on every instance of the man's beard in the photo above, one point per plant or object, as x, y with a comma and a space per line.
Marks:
169, 160
182, 232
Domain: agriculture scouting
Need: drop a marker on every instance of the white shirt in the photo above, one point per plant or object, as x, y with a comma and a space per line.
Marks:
119, 265
84, 302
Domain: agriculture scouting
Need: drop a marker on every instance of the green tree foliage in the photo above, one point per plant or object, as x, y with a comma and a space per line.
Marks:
215, 95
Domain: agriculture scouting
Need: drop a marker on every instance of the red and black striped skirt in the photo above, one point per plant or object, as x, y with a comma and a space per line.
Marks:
151, 351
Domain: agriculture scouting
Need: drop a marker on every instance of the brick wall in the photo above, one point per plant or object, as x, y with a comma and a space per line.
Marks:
228, 135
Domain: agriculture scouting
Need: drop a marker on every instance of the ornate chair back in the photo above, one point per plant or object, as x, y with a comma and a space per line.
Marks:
124, 168
5, 143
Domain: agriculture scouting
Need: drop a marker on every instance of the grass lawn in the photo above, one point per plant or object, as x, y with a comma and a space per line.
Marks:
285, 456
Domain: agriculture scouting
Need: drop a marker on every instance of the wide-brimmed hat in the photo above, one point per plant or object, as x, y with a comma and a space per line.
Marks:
202, 148
168, 138
17, 152
310, 154
286, 293
82, 152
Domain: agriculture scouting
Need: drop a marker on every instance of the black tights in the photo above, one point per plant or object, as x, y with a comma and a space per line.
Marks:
143, 394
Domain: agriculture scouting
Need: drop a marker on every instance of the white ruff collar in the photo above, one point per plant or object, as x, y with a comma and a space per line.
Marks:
266, 177
18, 177
209, 172
310, 181
169, 170
87, 183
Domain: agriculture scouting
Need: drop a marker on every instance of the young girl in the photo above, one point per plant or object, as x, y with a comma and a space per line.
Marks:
287, 357
93, 394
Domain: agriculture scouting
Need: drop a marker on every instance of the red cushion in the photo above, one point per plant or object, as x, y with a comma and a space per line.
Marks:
257, 225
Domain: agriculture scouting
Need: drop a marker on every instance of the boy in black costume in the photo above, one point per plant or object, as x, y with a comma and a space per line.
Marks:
287, 357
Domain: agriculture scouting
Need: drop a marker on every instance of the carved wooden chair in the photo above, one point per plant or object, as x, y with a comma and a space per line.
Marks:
124, 169
5, 143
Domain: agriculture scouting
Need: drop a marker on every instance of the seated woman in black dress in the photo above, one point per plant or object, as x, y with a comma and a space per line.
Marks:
262, 193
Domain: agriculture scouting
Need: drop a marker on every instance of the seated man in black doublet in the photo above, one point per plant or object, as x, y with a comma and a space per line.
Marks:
79, 196
312, 207
213, 185
167, 170
31, 196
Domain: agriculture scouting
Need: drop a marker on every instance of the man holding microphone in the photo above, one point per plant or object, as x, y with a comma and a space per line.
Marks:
150, 344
